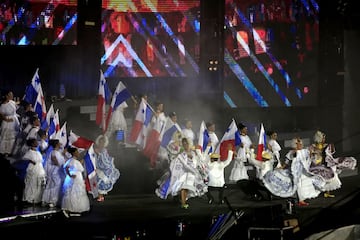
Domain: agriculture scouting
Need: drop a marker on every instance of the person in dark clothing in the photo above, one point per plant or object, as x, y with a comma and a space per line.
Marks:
12, 188
253, 187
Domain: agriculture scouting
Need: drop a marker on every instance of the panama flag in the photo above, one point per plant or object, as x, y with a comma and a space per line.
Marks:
103, 99
261, 144
62, 136
141, 123
152, 143
168, 132
33, 89
203, 140
40, 107
90, 166
230, 140
54, 125
78, 141
49, 116
121, 94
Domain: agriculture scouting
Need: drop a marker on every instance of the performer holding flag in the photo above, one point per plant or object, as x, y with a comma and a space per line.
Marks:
103, 99
115, 119
75, 199
230, 140
40, 107
245, 152
90, 168
33, 89
203, 137
262, 143
78, 141
141, 124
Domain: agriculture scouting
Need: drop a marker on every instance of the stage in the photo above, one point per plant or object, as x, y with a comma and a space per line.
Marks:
133, 211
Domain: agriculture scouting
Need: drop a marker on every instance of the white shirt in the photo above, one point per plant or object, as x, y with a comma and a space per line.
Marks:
189, 134
216, 171
214, 140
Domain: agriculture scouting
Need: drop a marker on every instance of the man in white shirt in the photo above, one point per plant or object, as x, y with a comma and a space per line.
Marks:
216, 179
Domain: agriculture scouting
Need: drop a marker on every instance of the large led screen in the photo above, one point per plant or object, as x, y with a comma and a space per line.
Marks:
150, 38
38, 22
271, 53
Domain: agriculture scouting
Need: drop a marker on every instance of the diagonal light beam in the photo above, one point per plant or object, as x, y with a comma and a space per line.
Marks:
273, 59
171, 34
245, 81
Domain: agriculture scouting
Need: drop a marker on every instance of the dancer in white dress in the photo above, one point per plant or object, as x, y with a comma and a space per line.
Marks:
245, 152
174, 148
35, 174
75, 198
117, 122
326, 166
186, 179
10, 124
55, 175
106, 172
294, 179
274, 147
305, 187
188, 131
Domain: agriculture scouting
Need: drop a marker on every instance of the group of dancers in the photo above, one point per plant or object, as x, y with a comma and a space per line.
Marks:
54, 174
304, 172
51, 173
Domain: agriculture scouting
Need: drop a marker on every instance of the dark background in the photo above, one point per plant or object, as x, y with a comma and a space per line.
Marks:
334, 109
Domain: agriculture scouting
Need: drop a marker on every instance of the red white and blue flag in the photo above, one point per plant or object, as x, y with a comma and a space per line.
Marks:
79, 141
33, 89
121, 94
168, 132
152, 143
230, 140
49, 116
90, 166
262, 143
141, 123
54, 125
103, 99
61, 135
204, 138
40, 107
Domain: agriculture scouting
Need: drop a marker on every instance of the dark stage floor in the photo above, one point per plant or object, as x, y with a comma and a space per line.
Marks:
132, 211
